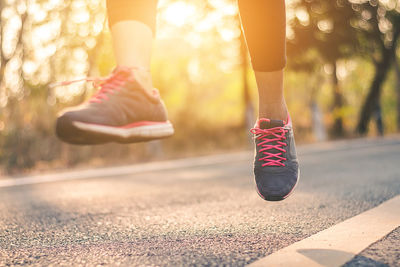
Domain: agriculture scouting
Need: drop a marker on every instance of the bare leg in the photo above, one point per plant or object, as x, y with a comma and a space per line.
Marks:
272, 103
264, 25
132, 42
132, 24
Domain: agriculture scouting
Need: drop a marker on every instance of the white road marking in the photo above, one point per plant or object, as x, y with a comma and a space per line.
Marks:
127, 170
340, 243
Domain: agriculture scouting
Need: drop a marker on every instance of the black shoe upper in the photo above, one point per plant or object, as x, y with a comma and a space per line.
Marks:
275, 182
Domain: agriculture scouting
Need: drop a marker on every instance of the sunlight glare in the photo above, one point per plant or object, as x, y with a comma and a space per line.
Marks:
178, 13
229, 34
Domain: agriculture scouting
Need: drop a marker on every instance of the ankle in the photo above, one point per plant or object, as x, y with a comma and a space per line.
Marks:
276, 111
143, 77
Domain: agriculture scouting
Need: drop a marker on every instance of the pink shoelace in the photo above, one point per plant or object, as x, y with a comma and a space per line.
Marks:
109, 84
271, 139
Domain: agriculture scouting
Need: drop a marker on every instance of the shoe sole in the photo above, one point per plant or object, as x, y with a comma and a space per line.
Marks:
279, 198
82, 133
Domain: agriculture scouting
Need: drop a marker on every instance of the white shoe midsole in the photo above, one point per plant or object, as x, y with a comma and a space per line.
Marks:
152, 131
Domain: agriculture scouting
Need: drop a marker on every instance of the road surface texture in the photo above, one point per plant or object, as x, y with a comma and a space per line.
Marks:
200, 214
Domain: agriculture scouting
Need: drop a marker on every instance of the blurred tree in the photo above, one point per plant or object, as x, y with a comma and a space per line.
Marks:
41, 41
12, 82
346, 28
324, 26
397, 69
379, 25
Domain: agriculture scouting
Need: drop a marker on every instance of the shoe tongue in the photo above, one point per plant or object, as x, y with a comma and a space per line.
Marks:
268, 124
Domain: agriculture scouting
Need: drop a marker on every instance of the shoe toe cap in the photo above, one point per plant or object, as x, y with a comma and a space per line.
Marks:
63, 125
273, 185
68, 132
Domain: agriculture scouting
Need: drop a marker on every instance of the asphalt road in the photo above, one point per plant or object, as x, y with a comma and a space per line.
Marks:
206, 215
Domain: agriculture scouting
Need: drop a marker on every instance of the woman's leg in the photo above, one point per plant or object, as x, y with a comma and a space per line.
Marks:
276, 168
264, 26
132, 24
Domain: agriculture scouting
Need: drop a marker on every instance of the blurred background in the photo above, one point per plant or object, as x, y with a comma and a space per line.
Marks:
342, 78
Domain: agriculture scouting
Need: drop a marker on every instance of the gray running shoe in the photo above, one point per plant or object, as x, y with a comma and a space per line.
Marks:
121, 111
276, 167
